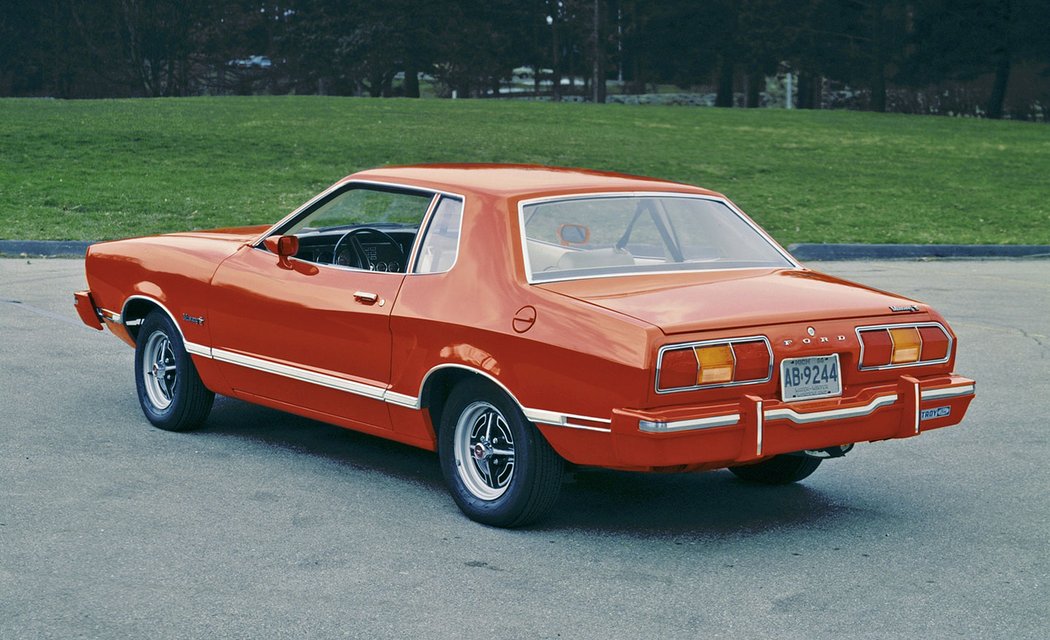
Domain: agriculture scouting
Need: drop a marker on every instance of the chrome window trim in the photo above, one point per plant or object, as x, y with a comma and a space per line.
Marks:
640, 194
410, 259
425, 228
707, 343
347, 185
900, 325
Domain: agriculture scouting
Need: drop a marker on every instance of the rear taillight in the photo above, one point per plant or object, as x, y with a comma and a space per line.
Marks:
903, 345
682, 367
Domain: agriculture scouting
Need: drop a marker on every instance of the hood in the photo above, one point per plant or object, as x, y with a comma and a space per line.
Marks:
229, 234
700, 301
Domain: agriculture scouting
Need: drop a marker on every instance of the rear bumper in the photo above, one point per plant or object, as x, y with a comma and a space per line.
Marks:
715, 436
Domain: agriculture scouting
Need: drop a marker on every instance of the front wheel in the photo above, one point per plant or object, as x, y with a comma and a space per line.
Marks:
498, 467
782, 469
170, 392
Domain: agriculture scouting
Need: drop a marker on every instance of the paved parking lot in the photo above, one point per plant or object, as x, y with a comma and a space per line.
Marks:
265, 525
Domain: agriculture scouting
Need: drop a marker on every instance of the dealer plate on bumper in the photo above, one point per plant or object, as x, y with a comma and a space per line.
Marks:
809, 378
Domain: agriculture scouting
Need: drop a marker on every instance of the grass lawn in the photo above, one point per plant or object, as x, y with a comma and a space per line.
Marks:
86, 170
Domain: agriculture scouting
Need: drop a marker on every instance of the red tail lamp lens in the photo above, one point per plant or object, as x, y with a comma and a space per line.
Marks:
678, 369
752, 361
934, 343
878, 347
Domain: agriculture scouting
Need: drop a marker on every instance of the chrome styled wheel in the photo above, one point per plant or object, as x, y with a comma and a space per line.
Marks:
484, 449
170, 390
160, 374
499, 468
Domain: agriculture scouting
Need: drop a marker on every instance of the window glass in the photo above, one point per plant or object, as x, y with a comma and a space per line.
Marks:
366, 207
371, 228
611, 235
441, 243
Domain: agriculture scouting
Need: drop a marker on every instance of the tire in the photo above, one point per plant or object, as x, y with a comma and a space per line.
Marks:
170, 392
498, 467
783, 469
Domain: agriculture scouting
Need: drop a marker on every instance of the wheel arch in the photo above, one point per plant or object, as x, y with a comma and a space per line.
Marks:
135, 310
439, 382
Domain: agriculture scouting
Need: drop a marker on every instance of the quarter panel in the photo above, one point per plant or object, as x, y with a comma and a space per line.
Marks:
575, 358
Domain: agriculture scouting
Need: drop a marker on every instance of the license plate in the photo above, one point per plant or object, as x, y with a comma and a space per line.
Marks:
812, 377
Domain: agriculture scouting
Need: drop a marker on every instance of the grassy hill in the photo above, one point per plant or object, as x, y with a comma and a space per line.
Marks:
108, 169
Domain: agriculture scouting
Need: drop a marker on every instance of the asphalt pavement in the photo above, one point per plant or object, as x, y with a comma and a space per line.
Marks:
265, 525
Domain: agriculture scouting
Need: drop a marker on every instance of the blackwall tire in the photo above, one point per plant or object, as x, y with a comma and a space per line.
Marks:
170, 391
498, 467
778, 469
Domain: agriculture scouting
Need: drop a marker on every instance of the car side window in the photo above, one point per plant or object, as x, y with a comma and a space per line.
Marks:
441, 242
362, 227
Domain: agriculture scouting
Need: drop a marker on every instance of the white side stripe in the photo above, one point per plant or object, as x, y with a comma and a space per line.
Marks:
303, 375
371, 391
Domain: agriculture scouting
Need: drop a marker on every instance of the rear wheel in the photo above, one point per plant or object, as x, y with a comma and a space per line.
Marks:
778, 469
170, 392
498, 467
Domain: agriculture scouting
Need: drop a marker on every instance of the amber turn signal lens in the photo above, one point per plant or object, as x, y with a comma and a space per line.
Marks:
907, 345
716, 364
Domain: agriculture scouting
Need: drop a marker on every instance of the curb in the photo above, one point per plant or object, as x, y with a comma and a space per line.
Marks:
819, 252
802, 251
44, 248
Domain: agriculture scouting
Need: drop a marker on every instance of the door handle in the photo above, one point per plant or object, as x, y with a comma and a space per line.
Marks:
366, 297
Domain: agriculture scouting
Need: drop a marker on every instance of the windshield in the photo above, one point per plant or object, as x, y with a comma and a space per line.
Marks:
613, 235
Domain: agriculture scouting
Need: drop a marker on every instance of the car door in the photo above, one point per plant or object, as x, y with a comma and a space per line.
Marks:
308, 331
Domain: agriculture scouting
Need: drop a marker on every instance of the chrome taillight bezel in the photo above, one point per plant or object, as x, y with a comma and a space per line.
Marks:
708, 343
904, 325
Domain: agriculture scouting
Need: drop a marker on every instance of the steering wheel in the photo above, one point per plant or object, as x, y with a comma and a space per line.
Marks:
362, 261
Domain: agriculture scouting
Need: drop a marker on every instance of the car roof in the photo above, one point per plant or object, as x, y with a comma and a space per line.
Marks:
518, 180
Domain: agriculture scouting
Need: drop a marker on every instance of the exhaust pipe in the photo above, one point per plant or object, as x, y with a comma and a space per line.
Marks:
830, 452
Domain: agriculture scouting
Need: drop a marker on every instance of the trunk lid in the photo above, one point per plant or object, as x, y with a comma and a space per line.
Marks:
700, 301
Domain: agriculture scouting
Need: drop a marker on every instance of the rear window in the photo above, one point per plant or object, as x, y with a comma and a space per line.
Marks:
613, 235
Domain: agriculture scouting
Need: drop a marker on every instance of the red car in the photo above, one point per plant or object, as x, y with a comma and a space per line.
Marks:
518, 318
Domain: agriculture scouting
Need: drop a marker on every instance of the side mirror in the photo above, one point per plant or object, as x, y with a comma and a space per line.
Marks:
571, 234
284, 246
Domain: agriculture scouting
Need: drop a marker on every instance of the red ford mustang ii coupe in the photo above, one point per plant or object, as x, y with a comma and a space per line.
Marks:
515, 318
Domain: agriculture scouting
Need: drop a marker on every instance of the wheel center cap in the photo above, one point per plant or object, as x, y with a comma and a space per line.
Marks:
480, 451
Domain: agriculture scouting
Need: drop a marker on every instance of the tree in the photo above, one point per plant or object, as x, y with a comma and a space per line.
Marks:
964, 39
